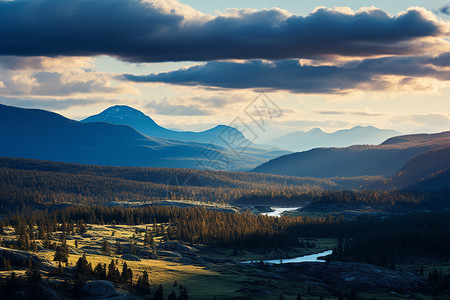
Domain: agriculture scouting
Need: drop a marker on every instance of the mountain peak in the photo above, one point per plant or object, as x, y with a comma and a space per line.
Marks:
122, 111
125, 115
316, 130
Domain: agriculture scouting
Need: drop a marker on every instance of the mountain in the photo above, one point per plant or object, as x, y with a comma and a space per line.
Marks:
221, 135
385, 159
316, 138
429, 170
39, 134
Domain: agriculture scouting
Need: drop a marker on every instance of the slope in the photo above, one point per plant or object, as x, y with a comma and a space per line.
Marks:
39, 134
385, 159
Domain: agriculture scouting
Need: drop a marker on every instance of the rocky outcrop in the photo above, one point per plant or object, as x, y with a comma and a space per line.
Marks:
178, 247
358, 276
130, 257
99, 289
21, 259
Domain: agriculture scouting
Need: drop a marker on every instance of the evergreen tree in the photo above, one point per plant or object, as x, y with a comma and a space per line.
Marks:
62, 253
159, 293
172, 296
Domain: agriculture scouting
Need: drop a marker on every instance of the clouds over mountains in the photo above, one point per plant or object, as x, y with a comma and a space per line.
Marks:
157, 31
44, 46
290, 75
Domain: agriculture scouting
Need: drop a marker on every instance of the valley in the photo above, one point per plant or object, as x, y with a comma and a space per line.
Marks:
336, 221
222, 150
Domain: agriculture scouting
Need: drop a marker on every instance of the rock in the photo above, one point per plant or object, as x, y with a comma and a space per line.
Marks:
176, 246
46, 292
99, 289
130, 257
168, 253
359, 276
90, 250
20, 258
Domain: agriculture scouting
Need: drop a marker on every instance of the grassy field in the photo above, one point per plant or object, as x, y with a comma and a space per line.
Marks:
225, 280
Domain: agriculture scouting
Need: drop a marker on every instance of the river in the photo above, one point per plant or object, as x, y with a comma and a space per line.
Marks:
278, 211
306, 258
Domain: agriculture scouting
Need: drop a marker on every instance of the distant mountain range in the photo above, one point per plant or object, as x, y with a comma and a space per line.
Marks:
39, 134
416, 155
316, 138
222, 135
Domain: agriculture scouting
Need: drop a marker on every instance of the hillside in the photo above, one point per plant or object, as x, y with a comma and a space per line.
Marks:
316, 138
45, 181
39, 134
426, 171
384, 160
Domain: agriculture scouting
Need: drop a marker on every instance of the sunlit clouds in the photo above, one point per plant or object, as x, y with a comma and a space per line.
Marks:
332, 68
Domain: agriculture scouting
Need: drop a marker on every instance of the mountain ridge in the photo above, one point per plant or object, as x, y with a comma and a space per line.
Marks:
316, 138
385, 159
222, 135
40, 134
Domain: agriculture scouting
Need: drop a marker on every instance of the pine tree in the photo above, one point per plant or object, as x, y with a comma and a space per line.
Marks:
143, 285
113, 272
183, 294
83, 266
159, 293
172, 296
105, 247
127, 274
62, 253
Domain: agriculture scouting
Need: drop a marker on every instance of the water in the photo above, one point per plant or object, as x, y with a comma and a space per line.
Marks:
278, 211
306, 258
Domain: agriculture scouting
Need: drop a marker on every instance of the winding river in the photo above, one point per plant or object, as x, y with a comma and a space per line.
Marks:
306, 258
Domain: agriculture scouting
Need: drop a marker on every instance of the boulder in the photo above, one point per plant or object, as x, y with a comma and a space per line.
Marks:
168, 253
178, 247
130, 257
20, 258
99, 289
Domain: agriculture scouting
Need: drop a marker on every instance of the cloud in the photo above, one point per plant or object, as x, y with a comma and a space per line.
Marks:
290, 75
56, 84
352, 113
61, 76
420, 123
432, 120
45, 63
442, 60
166, 108
445, 9
157, 31
53, 104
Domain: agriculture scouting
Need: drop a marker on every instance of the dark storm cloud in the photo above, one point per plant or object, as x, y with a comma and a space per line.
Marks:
445, 9
289, 75
139, 32
442, 60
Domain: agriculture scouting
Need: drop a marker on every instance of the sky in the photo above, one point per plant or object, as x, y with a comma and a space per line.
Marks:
194, 64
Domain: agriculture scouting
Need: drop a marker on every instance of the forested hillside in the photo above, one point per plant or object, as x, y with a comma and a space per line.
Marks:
35, 181
382, 160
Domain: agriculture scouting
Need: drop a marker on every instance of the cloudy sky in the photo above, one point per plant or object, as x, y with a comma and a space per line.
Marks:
194, 64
